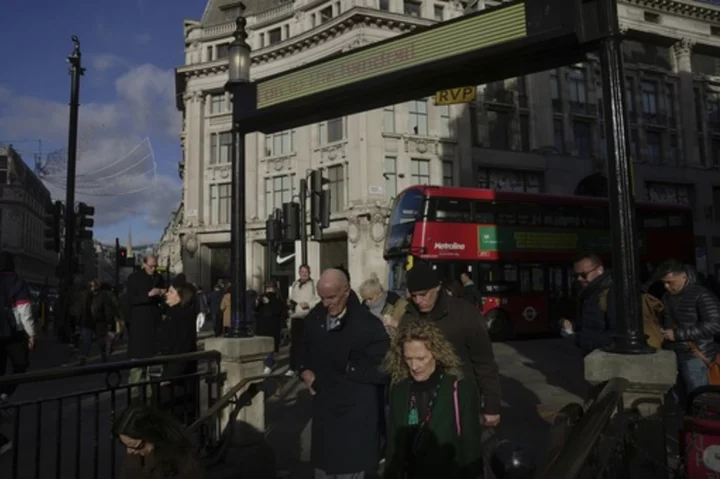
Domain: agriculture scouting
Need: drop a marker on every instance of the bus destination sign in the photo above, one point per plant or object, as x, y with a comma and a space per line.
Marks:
492, 238
456, 38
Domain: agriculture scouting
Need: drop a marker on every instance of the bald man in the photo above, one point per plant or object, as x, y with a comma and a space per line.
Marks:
343, 349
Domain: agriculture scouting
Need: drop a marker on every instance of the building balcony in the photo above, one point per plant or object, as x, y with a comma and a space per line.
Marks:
582, 108
655, 119
499, 97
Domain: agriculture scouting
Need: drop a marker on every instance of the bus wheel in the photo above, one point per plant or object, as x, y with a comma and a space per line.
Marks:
498, 325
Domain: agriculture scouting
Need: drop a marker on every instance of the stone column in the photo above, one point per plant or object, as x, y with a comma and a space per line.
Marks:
686, 95
194, 176
242, 358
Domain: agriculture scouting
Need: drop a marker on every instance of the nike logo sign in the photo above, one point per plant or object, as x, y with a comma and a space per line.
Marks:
284, 259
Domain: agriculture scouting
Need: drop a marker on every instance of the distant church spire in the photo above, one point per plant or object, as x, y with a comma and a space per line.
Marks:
129, 242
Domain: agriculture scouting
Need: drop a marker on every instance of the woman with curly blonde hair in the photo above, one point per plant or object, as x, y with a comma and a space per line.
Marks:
434, 423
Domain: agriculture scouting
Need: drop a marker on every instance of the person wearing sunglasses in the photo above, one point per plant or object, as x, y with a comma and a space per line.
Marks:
594, 325
156, 445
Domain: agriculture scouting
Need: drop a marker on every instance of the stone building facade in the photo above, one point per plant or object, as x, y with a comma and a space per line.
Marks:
23, 204
538, 133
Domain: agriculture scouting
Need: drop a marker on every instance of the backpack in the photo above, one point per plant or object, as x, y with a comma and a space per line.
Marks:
651, 310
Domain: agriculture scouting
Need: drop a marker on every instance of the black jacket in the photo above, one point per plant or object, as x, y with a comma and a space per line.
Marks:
145, 314
595, 325
178, 335
346, 409
270, 317
694, 314
99, 312
464, 328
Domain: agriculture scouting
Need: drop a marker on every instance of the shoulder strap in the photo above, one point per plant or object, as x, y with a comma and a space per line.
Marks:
603, 300
457, 409
697, 353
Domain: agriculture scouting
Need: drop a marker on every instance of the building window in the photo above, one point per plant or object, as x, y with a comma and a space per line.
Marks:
420, 172
583, 140
670, 193
439, 13
412, 8
577, 84
390, 174
281, 143
278, 190
384, 5
634, 146
417, 117
525, 132
555, 91
218, 103
389, 119
274, 36
499, 129
331, 131
715, 151
220, 204
447, 171
649, 97
222, 51
673, 157
510, 180
670, 103
336, 184
326, 14
630, 97
559, 135
445, 125
654, 147
712, 102
220, 144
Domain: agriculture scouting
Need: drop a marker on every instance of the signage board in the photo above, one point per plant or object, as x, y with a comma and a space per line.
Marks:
452, 96
455, 38
513, 239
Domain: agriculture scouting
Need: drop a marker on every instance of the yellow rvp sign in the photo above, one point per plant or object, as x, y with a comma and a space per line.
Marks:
464, 94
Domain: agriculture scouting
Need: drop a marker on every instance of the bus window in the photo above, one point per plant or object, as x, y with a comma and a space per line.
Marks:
538, 280
528, 214
680, 220
652, 219
483, 212
561, 216
510, 273
595, 218
448, 209
396, 281
407, 207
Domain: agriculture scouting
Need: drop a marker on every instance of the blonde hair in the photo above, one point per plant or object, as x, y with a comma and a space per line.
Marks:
434, 339
370, 286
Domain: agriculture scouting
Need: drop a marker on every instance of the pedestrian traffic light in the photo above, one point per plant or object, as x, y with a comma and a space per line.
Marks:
319, 204
53, 226
291, 221
121, 257
84, 221
273, 228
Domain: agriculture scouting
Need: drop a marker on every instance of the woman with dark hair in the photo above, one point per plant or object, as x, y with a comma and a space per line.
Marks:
271, 314
156, 445
179, 336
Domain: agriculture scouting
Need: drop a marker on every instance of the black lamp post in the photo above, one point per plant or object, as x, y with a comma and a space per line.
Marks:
237, 85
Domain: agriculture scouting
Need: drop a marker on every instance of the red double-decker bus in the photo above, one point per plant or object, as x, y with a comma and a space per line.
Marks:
519, 247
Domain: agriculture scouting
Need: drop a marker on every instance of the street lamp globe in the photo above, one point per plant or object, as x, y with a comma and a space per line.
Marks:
239, 54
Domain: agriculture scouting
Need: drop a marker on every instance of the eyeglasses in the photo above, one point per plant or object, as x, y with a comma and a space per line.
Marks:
584, 274
151, 265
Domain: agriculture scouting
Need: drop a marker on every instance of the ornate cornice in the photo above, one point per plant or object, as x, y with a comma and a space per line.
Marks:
690, 9
683, 46
354, 19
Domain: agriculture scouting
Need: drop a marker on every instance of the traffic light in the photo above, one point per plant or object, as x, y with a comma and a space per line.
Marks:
121, 257
53, 226
319, 204
291, 221
84, 221
273, 228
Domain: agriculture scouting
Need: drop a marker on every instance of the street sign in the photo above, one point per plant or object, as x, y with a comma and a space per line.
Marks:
464, 94
529, 314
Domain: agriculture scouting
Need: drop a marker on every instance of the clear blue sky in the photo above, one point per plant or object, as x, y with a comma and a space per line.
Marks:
130, 49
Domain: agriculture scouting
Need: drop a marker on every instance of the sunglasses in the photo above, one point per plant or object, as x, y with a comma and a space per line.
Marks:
584, 274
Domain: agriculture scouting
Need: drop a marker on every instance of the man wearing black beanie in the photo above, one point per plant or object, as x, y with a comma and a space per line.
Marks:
463, 327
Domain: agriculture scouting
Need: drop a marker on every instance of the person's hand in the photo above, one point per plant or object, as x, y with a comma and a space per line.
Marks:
304, 305
31, 343
389, 321
308, 378
155, 292
491, 420
165, 383
265, 300
668, 334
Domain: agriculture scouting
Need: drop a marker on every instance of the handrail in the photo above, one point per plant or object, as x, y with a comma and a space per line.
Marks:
227, 398
572, 458
113, 367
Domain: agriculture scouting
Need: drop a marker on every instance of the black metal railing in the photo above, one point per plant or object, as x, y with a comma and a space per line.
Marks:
218, 440
593, 440
66, 435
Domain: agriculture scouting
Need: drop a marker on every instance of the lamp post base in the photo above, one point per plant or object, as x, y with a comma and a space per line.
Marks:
241, 331
631, 344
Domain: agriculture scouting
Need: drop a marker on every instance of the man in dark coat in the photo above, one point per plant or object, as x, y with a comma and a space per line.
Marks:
343, 349
464, 328
144, 293
691, 322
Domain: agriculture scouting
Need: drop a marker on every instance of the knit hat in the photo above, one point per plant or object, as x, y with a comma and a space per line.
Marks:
421, 277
